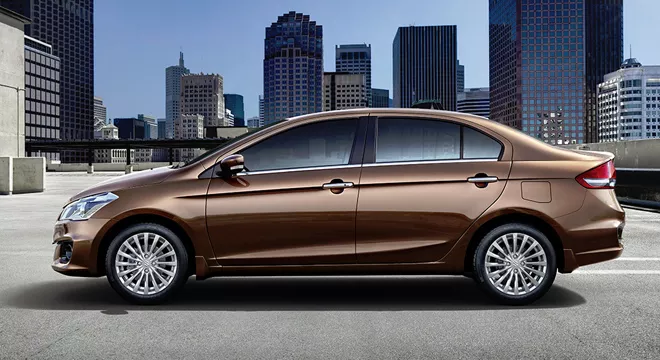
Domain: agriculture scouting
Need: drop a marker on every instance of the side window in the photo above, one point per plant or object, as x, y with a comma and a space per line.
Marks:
417, 140
477, 145
325, 143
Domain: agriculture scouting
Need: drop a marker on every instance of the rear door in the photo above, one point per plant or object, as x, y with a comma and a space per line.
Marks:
423, 182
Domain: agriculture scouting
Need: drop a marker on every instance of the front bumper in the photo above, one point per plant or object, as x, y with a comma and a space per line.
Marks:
84, 239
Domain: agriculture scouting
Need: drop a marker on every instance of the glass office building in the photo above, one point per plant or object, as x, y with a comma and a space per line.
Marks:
173, 76
293, 67
355, 59
234, 102
424, 59
42, 95
68, 26
380, 98
546, 60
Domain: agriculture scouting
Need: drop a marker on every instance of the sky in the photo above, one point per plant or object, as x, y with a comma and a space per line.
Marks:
134, 41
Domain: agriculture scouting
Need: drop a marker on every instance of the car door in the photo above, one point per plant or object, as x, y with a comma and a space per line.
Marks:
295, 203
424, 181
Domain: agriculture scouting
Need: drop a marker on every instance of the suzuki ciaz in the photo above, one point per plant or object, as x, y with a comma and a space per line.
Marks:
359, 192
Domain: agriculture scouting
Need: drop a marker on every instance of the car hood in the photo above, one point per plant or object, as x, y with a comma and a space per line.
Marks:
141, 178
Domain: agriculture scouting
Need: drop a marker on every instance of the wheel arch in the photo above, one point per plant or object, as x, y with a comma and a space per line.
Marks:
142, 218
533, 219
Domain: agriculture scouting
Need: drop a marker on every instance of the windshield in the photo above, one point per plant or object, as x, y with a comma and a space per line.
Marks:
224, 145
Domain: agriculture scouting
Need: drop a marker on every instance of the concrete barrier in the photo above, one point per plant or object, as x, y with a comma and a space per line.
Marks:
638, 154
29, 174
6, 175
103, 167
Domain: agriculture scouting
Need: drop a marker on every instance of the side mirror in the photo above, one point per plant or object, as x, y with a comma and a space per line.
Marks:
231, 165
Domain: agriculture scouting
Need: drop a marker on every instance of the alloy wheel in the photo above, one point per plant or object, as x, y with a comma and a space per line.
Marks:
516, 264
146, 263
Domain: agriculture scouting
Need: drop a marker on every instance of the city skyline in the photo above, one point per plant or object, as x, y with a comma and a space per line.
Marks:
155, 48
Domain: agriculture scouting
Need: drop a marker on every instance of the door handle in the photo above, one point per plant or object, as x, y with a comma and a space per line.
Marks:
482, 179
338, 185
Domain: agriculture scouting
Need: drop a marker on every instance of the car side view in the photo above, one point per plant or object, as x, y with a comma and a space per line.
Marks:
352, 192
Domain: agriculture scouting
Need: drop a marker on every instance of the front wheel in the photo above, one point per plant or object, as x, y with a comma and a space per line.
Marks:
146, 263
515, 264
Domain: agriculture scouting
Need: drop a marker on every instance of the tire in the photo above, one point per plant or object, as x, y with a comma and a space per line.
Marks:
500, 276
147, 282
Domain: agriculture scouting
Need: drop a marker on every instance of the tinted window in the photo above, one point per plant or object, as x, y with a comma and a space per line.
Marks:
477, 145
325, 143
416, 140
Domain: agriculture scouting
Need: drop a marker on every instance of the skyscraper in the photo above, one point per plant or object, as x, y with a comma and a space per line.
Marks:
162, 128
68, 26
460, 77
344, 91
234, 102
380, 98
546, 60
355, 59
42, 98
150, 126
293, 67
172, 93
100, 110
261, 110
424, 59
629, 103
202, 94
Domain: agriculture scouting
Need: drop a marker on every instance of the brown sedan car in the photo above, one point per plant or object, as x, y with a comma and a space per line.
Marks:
369, 191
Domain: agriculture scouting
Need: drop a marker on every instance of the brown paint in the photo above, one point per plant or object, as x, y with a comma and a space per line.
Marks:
397, 219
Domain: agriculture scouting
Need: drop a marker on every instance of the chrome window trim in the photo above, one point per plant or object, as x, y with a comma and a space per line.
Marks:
426, 162
278, 171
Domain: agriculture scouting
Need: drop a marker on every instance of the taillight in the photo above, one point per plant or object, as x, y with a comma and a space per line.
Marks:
600, 177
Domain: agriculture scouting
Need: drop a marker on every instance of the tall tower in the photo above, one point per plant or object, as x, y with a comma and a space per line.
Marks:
234, 102
172, 94
546, 61
293, 67
68, 26
424, 59
355, 59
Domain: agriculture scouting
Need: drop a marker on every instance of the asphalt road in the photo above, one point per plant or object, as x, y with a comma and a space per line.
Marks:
604, 311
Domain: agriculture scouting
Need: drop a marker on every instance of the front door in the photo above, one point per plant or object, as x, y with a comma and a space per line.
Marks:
295, 203
426, 181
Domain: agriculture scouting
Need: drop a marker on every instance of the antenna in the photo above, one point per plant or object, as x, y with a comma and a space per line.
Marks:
631, 51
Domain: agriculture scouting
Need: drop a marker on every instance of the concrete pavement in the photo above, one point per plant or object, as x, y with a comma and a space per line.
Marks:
604, 311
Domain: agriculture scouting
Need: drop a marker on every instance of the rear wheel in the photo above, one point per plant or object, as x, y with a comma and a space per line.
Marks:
146, 264
515, 264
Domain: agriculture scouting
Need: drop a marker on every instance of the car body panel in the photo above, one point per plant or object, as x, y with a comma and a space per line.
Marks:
399, 219
416, 213
283, 218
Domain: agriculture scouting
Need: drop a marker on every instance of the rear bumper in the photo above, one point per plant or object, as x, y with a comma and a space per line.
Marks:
573, 261
594, 233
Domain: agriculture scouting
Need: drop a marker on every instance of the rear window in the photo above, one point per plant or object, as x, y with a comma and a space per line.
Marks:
477, 145
401, 140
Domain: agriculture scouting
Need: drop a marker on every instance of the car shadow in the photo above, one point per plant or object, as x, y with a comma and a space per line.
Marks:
283, 293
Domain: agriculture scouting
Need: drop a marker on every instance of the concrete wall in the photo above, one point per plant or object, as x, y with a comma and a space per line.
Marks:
644, 154
29, 174
103, 167
12, 91
6, 175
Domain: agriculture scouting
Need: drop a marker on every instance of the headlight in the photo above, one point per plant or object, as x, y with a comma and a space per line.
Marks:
84, 208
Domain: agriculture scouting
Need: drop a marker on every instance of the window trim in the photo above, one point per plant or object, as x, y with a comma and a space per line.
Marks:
372, 143
354, 159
